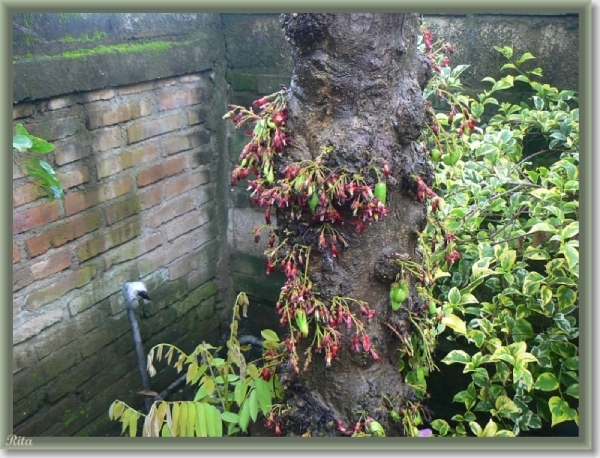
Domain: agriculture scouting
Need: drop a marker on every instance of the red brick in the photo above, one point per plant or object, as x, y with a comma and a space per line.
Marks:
176, 144
52, 415
107, 139
62, 234
133, 250
22, 110
54, 129
102, 94
80, 200
165, 82
170, 211
165, 169
69, 152
35, 217
59, 288
17, 172
184, 183
122, 210
196, 116
151, 196
115, 164
112, 238
181, 246
56, 103
74, 177
26, 193
16, 255
36, 325
121, 113
135, 88
189, 78
42, 269
148, 129
189, 222
180, 98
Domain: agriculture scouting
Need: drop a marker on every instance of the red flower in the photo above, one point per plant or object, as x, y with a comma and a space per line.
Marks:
355, 344
375, 355
366, 342
452, 257
259, 102
279, 118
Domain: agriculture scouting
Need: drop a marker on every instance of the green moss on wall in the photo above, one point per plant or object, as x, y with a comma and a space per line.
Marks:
29, 39
242, 81
84, 38
155, 46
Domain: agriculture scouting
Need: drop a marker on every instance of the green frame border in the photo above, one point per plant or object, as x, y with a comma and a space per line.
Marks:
585, 10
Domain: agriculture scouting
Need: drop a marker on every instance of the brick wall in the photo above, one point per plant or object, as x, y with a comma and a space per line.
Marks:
140, 167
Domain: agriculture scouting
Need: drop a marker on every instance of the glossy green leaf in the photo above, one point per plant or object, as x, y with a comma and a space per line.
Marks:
566, 297
245, 416
263, 394
269, 335
253, 405
454, 296
455, 323
457, 356
532, 283
573, 390
546, 382
230, 417
560, 410
22, 142
201, 420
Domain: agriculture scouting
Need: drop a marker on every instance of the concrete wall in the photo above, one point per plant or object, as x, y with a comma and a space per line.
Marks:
141, 165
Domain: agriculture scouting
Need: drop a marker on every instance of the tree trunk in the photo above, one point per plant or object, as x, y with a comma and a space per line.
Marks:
357, 88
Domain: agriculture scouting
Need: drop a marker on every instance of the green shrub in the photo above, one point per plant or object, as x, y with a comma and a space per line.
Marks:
502, 245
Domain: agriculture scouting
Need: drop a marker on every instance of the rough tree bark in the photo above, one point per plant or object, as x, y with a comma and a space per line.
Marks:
357, 86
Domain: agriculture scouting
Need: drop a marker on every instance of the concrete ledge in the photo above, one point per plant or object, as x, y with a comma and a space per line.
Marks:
104, 66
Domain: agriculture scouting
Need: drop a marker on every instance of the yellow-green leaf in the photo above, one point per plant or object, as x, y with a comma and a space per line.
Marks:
183, 420
209, 385
490, 429
269, 335
201, 422
176, 417
264, 395
253, 401
214, 424
239, 393
455, 323
542, 227
476, 428
571, 255
560, 410
245, 416
133, 420
457, 356
191, 418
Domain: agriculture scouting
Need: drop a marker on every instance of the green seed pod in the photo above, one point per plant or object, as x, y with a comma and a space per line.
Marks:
300, 179
301, 322
313, 202
270, 175
401, 292
380, 191
432, 308
376, 429
397, 296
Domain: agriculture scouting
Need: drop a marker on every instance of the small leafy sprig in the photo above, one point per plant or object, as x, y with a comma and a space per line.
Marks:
35, 167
